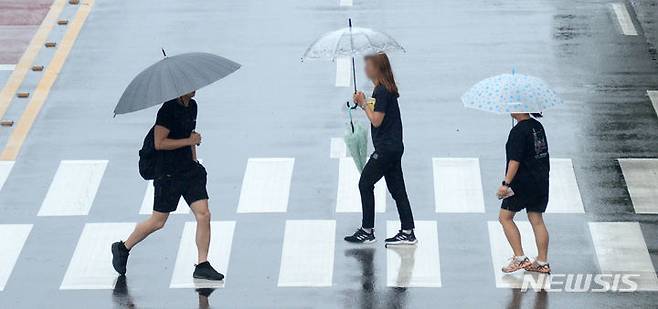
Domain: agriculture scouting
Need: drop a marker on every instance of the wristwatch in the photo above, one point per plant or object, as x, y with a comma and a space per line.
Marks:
505, 183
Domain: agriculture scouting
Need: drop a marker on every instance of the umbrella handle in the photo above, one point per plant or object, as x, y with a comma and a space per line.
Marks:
349, 112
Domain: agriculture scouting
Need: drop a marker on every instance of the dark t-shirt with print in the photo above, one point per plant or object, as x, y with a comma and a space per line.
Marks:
527, 144
181, 121
388, 136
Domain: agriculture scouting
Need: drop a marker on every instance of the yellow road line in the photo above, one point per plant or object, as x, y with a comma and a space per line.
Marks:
18, 135
18, 75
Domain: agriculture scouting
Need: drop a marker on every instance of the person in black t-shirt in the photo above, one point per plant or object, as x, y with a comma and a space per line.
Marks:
178, 174
386, 128
525, 186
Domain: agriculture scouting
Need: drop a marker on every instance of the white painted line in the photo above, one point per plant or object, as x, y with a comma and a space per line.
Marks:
343, 72
91, 264
620, 248
501, 252
345, 2
348, 197
564, 195
7, 67
74, 187
653, 96
414, 266
147, 202
11, 243
221, 240
457, 185
307, 258
338, 149
5, 170
641, 176
266, 185
624, 19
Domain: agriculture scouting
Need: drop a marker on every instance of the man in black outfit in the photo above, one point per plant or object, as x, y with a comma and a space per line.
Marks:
178, 173
386, 161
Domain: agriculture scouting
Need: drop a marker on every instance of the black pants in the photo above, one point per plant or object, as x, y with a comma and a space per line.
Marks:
389, 166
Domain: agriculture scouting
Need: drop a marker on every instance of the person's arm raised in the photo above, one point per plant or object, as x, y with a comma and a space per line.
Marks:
162, 142
375, 118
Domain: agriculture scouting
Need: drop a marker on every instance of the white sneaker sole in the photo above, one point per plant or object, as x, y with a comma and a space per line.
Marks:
401, 243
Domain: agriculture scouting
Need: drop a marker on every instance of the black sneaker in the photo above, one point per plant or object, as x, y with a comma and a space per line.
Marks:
402, 238
120, 257
361, 237
206, 272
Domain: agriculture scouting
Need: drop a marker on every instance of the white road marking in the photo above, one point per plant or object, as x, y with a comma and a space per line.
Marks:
345, 2
11, 244
147, 202
348, 197
641, 176
74, 187
414, 266
501, 252
564, 195
266, 185
624, 19
91, 264
7, 67
221, 241
653, 96
457, 185
620, 248
307, 258
343, 72
5, 170
338, 149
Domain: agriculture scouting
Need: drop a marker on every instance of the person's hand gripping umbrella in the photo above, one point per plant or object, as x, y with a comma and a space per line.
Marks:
351, 42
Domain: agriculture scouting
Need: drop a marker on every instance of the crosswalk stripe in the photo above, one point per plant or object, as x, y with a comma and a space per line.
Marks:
348, 197
266, 185
7, 67
307, 257
5, 170
147, 202
564, 195
501, 252
343, 72
11, 244
457, 185
74, 187
337, 148
345, 2
641, 176
414, 266
91, 264
620, 248
624, 19
221, 241
653, 96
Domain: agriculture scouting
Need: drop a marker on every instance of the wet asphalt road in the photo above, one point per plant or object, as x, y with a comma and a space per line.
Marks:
277, 107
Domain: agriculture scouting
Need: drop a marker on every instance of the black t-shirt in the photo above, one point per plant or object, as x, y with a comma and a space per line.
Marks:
527, 144
388, 137
181, 121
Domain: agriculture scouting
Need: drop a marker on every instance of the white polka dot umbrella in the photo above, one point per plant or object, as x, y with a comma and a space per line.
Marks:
511, 93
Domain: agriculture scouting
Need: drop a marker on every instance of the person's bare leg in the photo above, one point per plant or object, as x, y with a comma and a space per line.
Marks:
155, 222
512, 233
202, 215
541, 234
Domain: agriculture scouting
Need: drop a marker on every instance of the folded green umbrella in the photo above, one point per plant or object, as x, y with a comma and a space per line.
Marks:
356, 140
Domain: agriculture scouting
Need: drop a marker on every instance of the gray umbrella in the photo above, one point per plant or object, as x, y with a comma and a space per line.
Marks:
172, 77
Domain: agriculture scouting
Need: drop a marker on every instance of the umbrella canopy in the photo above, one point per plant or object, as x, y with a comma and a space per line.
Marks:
172, 77
511, 93
351, 42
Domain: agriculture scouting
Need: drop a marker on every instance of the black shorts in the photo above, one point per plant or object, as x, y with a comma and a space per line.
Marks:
169, 189
531, 203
